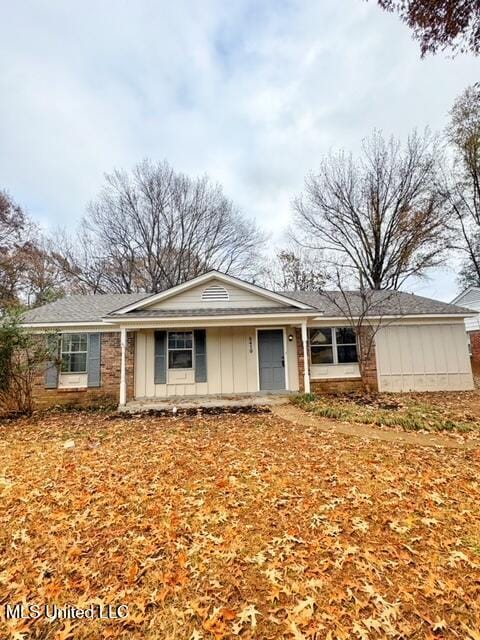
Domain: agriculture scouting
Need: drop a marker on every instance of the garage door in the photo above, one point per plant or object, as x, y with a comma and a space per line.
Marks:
431, 357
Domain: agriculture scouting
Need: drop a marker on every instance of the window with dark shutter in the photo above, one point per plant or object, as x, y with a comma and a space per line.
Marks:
160, 373
200, 355
51, 371
93, 362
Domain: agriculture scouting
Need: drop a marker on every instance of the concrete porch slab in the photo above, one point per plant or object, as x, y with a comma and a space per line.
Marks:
211, 402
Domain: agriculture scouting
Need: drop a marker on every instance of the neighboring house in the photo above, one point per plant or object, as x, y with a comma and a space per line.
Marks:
217, 334
470, 298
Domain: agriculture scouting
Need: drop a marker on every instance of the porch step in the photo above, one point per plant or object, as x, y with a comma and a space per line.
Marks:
206, 402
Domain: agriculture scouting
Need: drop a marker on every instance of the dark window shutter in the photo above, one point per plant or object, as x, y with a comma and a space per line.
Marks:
200, 355
160, 376
94, 354
51, 371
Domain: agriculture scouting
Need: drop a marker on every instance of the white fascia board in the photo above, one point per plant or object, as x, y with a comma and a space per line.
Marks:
171, 320
464, 293
101, 326
212, 275
418, 316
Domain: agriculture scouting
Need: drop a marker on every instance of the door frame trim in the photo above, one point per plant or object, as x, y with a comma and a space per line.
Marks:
285, 354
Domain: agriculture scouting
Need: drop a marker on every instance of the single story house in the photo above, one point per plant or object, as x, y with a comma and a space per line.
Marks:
217, 334
470, 298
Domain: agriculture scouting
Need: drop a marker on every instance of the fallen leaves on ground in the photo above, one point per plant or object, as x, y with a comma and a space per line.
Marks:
236, 526
457, 412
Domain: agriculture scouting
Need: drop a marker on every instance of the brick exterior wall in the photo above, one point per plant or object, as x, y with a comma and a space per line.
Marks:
342, 385
369, 358
109, 391
300, 359
475, 358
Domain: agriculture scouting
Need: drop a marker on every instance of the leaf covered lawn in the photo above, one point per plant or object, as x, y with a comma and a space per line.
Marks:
429, 411
236, 526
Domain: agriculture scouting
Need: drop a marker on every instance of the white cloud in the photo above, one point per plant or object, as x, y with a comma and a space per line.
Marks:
251, 93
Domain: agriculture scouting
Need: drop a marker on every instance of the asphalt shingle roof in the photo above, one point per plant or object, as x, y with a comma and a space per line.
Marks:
92, 308
377, 303
82, 308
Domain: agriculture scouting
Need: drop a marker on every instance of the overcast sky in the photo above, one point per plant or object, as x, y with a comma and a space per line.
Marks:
250, 92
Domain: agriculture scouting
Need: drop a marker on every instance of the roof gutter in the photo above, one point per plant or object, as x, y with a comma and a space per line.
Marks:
50, 325
171, 319
403, 316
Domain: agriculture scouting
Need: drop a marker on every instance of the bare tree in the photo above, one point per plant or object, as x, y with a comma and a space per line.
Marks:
155, 228
27, 276
42, 280
295, 269
380, 214
462, 184
366, 311
440, 24
13, 230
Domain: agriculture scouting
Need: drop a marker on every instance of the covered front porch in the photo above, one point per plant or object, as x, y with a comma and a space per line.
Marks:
235, 364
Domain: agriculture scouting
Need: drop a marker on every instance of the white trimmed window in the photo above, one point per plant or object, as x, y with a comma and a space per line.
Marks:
180, 349
333, 345
74, 352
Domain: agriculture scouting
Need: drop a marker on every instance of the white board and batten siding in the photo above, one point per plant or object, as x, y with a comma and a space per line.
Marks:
232, 365
423, 357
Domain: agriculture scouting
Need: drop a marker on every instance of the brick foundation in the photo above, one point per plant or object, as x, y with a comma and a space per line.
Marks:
336, 385
109, 391
475, 357
343, 385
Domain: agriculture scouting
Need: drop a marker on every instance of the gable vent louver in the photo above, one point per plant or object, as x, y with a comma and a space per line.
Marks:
214, 293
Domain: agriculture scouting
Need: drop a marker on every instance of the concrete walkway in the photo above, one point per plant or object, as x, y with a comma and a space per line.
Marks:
297, 416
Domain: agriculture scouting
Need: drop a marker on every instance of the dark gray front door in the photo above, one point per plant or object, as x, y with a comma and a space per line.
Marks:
271, 360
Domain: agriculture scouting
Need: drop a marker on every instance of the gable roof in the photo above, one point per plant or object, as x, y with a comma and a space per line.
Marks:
207, 277
94, 309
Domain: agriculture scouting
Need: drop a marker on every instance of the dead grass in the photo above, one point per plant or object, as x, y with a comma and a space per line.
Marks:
458, 412
236, 526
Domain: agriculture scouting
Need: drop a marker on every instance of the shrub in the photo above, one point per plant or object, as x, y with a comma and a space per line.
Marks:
22, 355
304, 398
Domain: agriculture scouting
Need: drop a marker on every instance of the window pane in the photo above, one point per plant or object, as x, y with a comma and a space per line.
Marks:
346, 335
65, 362
78, 362
347, 353
180, 359
74, 362
322, 355
78, 343
320, 336
180, 340
74, 342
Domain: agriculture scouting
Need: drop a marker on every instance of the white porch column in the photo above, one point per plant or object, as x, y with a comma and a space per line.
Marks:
123, 377
306, 368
